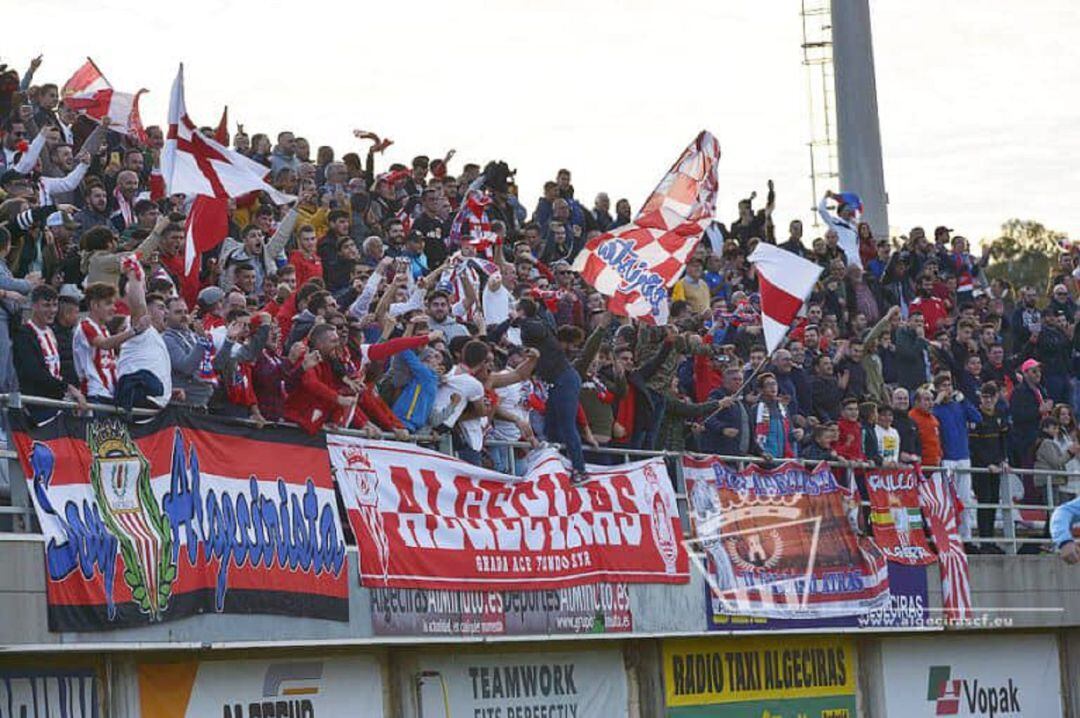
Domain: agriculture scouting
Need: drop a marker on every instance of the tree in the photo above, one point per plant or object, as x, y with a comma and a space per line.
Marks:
1025, 253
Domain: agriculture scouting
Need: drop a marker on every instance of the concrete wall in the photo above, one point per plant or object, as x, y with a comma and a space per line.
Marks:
1026, 591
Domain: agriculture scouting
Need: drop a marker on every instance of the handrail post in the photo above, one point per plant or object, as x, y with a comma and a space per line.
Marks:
1049, 501
680, 490
1008, 520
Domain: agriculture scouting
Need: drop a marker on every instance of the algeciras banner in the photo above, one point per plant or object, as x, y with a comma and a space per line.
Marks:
282, 688
182, 514
778, 543
426, 520
895, 515
571, 684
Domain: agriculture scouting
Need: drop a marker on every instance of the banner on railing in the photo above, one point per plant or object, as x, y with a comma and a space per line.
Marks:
426, 520
779, 543
895, 515
182, 514
908, 609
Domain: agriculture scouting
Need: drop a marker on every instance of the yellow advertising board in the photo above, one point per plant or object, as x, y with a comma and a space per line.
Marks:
759, 672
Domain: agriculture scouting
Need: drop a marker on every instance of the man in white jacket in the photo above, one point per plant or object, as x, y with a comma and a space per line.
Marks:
843, 223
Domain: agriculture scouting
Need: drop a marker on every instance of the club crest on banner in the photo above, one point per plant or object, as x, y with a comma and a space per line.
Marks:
778, 543
357, 469
120, 476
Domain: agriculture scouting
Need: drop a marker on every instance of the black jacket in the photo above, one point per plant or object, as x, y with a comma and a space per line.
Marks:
34, 376
987, 440
1024, 407
537, 333
909, 434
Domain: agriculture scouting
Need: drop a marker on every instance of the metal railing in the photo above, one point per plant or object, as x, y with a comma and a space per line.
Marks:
24, 521
1006, 509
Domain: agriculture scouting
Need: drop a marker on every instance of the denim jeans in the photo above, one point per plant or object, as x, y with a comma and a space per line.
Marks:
560, 419
134, 389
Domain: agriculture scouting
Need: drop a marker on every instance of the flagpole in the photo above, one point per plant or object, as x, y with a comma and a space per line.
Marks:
757, 370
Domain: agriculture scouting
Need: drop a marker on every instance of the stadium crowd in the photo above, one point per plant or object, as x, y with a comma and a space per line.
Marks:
376, 301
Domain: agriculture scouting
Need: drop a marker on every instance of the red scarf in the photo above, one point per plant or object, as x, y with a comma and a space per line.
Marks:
49, 349
125, 208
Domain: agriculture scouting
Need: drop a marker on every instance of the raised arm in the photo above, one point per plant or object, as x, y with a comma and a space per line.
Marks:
360, 306
281, 236
70, 182
823, 210
26, 163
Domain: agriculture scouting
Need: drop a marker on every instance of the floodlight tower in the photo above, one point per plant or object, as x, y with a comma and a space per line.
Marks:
845, 139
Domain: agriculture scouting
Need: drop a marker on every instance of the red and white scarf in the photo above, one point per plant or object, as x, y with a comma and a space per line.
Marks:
124, 207
49, 349
763, 426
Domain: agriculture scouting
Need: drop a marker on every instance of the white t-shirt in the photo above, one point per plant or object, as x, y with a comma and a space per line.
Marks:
465, 385
147, 351
95, 367
888, 443
514, 399
497, 307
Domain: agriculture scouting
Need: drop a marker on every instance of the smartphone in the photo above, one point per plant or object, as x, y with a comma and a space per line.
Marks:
114, 158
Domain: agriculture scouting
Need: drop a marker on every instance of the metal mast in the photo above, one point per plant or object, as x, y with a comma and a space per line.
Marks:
817, 50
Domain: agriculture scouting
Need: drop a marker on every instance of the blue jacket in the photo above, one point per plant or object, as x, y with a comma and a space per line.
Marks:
954, 417
414, 404
1062, 520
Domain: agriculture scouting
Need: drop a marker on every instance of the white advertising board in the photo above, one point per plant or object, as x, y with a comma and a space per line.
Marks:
285, 688
974, 675
579, 684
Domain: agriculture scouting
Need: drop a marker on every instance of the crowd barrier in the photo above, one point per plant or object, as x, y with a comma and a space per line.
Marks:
18, 515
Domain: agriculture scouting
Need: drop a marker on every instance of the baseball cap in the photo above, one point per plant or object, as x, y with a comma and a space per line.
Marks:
60, 219
941, 228
1030, 364
72, 291
211, 295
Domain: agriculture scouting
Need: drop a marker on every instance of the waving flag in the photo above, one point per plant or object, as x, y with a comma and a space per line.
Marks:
203, 168
849, 199
193, 164
636, 263
472, 223
938, 501
88, 92
785, 281
221, 134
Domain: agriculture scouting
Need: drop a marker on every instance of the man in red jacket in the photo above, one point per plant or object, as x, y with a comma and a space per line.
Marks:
322, 397
850, 444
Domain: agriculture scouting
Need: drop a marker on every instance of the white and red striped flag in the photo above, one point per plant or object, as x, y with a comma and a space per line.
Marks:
88, 91
200, 167
637, 263
785, 281
938, 501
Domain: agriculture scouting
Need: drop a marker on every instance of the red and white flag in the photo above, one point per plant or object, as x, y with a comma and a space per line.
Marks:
88, 91
938, 501
194, 164
785, 281
637, 263
200, 167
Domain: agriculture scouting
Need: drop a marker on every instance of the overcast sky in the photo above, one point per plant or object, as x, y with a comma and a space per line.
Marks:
979, 112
